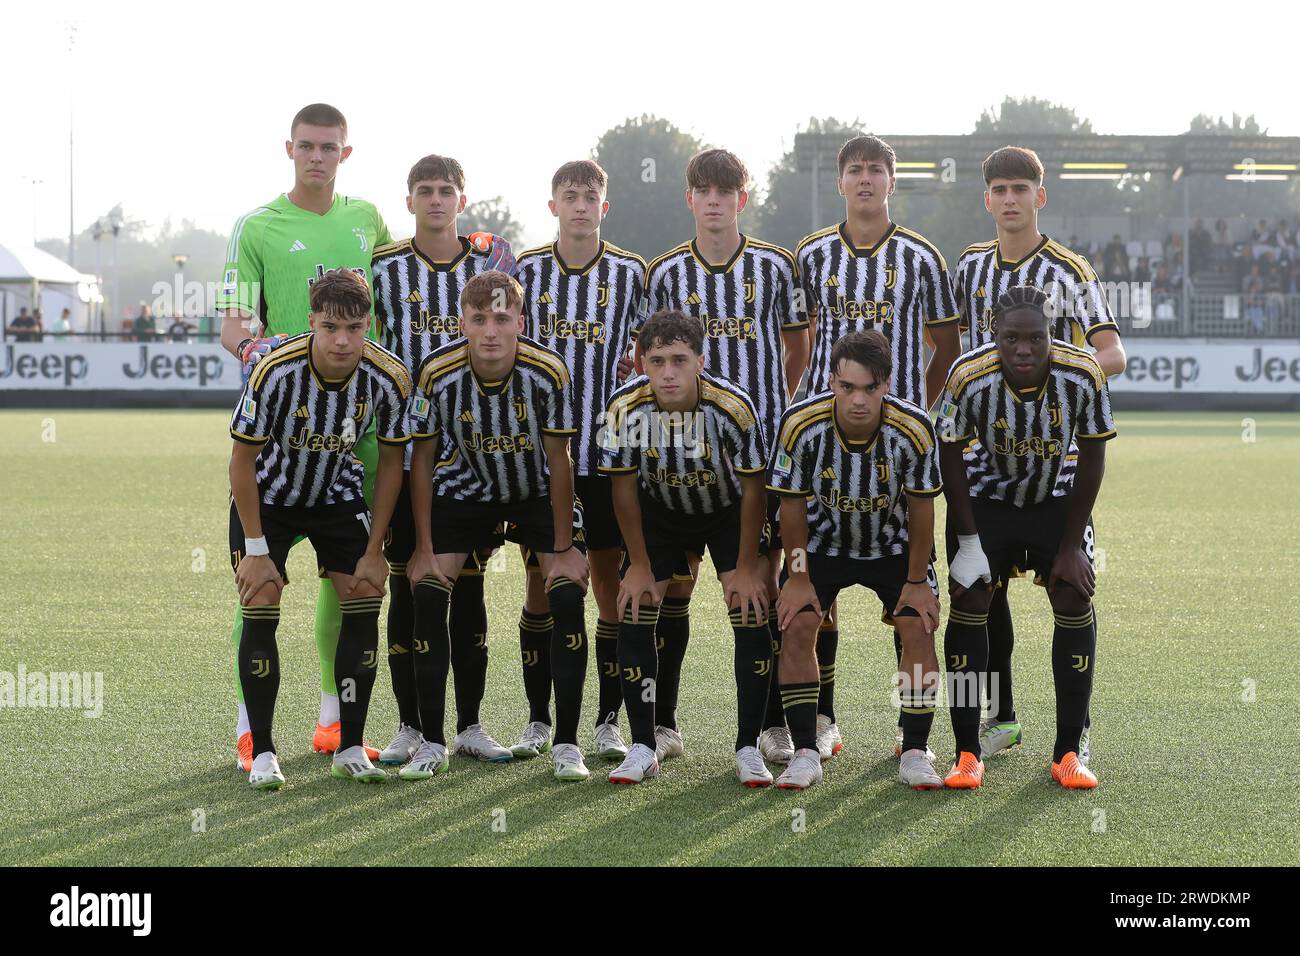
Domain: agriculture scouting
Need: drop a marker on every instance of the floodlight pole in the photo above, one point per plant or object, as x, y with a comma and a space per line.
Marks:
1187, 258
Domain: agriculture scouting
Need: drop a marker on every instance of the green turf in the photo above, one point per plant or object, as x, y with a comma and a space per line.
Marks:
98, 532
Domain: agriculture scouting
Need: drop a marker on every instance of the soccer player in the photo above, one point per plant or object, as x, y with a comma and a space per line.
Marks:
686, 457
869, 272
418, 284
858, 472
582, 299
293, 474
745, 293
1021, 255
276, 253
1025, 399
494, 412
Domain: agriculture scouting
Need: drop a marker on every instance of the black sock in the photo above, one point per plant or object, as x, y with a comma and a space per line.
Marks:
401, 662
672, 633
828, 643
966, 647
638, 665
1074, 648
1087, 719
1002, 639
916, 716
356, 662
800, 703
611, 687
535, 649
432, 657
898, 656
568, 656
775, 714
752, 660
469, 650
259, 671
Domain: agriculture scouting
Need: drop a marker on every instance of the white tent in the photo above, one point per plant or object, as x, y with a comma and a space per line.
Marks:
36, 279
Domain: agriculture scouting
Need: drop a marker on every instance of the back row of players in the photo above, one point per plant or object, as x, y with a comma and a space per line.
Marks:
665, 464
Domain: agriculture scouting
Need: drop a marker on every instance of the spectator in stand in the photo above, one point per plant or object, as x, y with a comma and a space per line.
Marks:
1255, 313
1115, 259
1222, 241
145, 327
1199, 246
1143, 271
179, 330
63, 324
26, 328
1160, 284
1254, 278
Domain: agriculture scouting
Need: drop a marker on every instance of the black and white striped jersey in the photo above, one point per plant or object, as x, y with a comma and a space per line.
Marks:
898, 286
855, 489
745, 305
688, 462
588, 314
1018, 443
490, 433
308, 425
417, 300
983, 275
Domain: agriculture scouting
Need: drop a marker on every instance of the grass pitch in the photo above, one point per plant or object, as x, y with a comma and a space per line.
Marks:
113, 548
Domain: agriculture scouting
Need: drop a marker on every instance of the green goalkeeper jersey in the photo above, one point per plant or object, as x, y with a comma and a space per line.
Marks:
278, 250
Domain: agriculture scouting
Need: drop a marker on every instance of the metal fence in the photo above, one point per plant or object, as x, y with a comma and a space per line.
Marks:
1168, 315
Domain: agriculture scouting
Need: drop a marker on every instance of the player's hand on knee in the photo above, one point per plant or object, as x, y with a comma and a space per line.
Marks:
424, 564
921, 599
373, 570
747, 591
969, 565
637, 583
797, 595
1072, 567
254, 572
570, 563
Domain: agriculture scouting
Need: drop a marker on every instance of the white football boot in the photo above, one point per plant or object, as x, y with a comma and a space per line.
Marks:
609, 742
476, 742
428, 761
266, 774
568, 763
533, 742
750, 769
404, 745
916, 769
776, 745
640, 764
805, 770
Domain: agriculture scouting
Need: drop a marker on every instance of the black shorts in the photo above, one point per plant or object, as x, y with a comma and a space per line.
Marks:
671, 536
470, 526
1021, 538
886, 576
399, 540
340, 534
600, 524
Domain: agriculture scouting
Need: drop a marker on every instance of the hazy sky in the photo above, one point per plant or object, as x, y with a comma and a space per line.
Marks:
182, 110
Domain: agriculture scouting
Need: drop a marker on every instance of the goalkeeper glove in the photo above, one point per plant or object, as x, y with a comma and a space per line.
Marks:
252, 350
499, 254
971, 563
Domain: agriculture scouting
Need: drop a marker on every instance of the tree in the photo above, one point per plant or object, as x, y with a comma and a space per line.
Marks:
646, 158
784, 215
1031, 116
491, 215
1204, 124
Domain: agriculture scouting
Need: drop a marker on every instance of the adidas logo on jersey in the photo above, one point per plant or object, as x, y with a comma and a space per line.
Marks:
1000, 423
467, 417
297, 246
828, 474
414, 298
693, 299
833, 282
544, 299
302, 412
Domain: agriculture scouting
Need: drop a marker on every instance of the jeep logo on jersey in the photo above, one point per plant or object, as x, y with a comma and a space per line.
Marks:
557, 328
736, 328
308, 440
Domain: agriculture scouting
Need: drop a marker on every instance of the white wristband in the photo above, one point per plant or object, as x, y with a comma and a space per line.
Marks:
969, 541
254, 547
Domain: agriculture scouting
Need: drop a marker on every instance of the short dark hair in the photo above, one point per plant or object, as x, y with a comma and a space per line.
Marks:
864, 149
1013, 162
672, 325
480, 291
716, 167
580, 172
434, 166
1029, 298
342, 293
868, 348
319, 114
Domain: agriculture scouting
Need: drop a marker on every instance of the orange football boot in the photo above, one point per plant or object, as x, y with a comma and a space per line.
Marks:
245, 748
1073, 775
966, 774
326, 740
